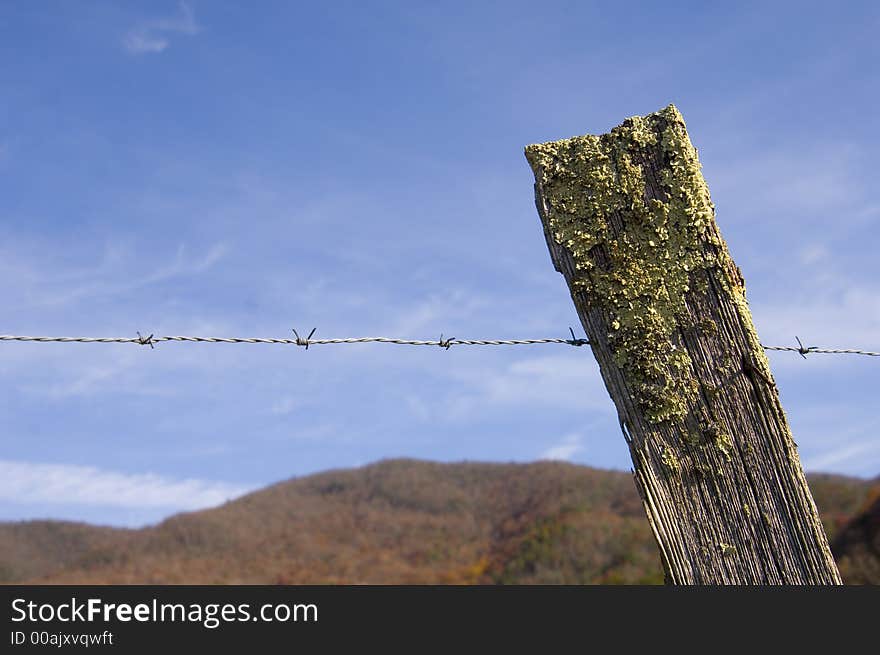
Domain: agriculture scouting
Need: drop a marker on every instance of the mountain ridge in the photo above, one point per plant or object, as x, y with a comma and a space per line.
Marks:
396, 521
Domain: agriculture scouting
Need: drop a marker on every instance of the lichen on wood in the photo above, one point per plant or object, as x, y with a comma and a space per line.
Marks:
651, 262
630, 224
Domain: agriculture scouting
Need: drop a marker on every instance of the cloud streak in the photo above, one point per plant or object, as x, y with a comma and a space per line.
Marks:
115, 276
62, 484
555, 381
846, 455
848, 317
153, 37
565, 449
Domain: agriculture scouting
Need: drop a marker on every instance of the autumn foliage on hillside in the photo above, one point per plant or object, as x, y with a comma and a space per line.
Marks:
394, 522
857, 545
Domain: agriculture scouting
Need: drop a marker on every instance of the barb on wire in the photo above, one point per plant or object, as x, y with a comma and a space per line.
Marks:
150, 340
304, 342
575, 341
803, 351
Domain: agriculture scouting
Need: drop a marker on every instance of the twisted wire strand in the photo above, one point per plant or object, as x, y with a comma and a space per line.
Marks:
826, 351
297, 342
443, 343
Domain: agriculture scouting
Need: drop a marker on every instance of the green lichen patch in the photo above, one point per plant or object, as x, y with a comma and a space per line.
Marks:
632, 209
692, 436
670, 461
719, 438
724, 443
708, 327
726, 549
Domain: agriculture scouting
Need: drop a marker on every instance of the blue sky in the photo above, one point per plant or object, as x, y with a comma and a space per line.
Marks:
241, 169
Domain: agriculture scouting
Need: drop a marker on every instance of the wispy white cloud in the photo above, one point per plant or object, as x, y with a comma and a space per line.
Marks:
153, 36
833, 435
62, 484
569, 381
567, 448
188, 265
846, 456
93, 379
837, 318
786, 185
286, 405
813, 253
141, 42
116, 274
436, 310
418, 408
869, 213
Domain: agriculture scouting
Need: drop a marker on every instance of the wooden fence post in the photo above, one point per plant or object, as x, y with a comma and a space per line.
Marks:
629, 223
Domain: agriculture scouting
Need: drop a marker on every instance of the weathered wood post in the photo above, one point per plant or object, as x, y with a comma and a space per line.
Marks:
630, 224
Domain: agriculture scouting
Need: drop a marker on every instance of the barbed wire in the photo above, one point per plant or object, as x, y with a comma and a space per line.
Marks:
446, 343
298, 341
804, 351
826, 351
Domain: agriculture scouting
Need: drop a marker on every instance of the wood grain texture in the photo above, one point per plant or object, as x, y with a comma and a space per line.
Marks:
630, 225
